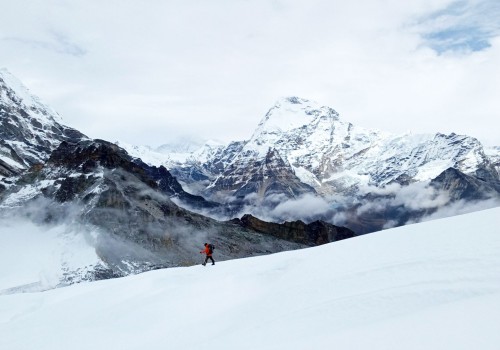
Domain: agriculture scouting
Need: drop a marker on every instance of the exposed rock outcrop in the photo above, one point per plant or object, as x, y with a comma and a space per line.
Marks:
462, 186
314, 233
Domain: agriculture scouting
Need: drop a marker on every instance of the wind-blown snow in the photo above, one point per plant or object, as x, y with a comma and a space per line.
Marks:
433, 285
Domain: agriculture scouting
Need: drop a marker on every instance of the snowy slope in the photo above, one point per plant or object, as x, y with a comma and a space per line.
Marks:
427, 286
146, 153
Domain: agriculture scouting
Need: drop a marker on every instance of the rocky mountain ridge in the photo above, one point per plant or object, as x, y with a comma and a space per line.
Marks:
330, 154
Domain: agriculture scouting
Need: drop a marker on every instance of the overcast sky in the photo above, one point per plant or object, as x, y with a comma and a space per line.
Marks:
149, 72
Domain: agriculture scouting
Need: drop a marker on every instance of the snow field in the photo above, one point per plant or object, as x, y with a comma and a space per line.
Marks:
433, 285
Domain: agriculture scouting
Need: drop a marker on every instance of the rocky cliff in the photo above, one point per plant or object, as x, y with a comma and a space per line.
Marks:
312, 234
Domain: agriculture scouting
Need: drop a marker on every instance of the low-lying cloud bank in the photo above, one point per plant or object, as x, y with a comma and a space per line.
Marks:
390, 206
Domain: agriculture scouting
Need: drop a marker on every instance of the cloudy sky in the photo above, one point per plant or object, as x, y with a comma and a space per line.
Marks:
152, 71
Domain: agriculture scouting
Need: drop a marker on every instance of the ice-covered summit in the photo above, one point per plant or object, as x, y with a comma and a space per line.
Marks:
289, 113
292, 115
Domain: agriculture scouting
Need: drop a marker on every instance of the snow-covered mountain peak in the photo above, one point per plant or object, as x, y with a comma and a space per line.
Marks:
184, 145
14, 93
29, 130
294, 118
173, 154
290, 113
333, 156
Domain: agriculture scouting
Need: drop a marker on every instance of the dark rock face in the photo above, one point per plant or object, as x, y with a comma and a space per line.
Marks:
272, 175
198, 172
123, 195
87, 156
462, 186
315, 233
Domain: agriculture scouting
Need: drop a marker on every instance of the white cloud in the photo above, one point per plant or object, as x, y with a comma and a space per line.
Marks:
414, 197
381, 191
419, 196
460, 207
463, 26
304, 207
121, 70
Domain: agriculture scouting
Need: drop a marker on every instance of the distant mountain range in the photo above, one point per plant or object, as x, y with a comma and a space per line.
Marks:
302, 152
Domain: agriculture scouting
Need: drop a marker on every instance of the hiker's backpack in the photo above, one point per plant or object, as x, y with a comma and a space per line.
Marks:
211, 248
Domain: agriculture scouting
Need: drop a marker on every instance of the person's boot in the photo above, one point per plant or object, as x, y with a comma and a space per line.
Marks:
204, 264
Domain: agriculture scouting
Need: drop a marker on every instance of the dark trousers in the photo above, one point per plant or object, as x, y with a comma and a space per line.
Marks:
209, 257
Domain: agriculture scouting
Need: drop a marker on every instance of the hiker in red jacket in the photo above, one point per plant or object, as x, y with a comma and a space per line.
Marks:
208, 251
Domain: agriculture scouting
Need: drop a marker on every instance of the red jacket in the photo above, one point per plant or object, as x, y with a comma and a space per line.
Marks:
206, 251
